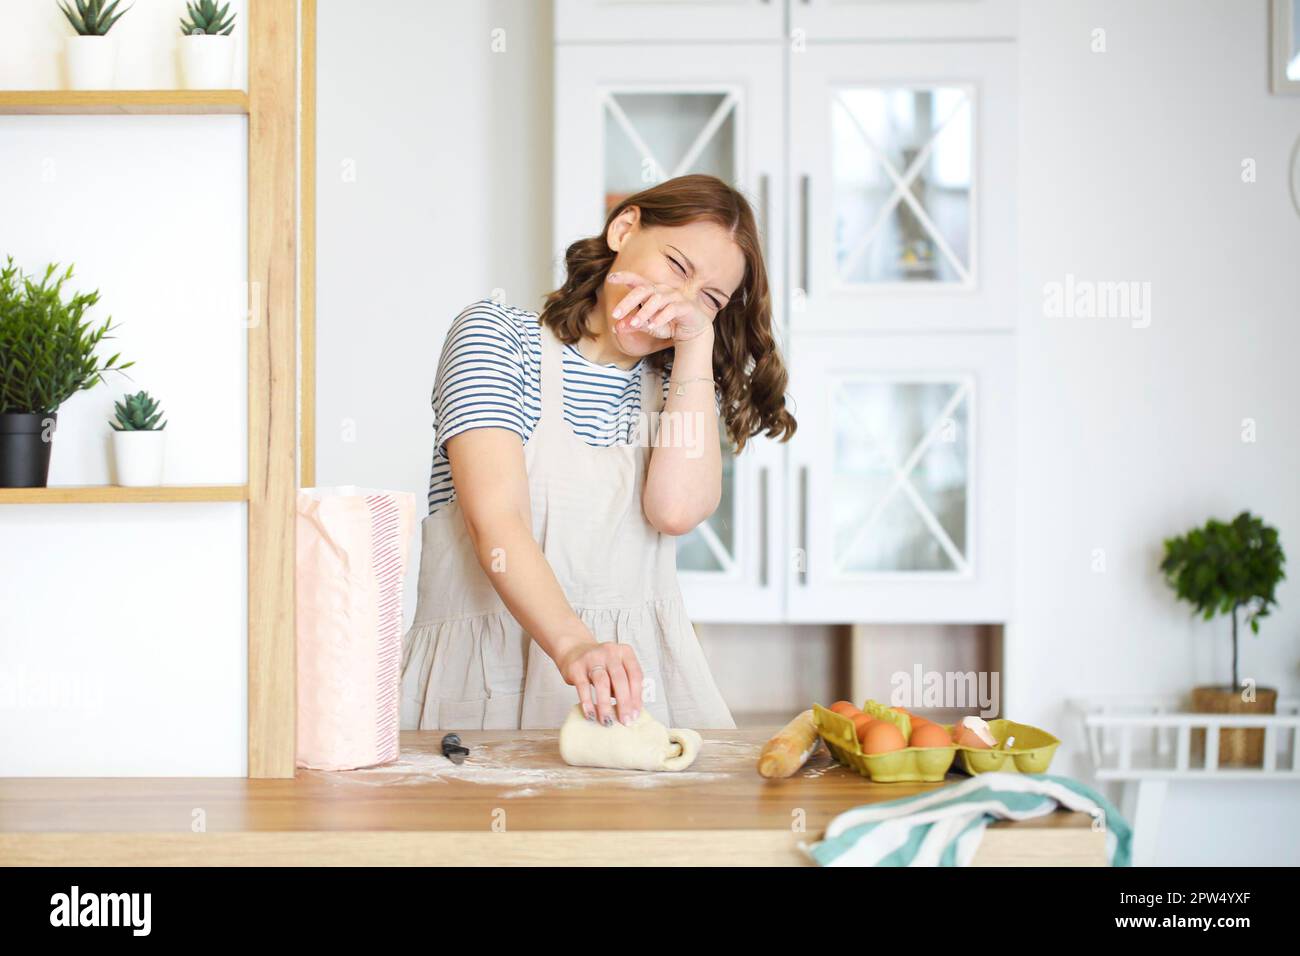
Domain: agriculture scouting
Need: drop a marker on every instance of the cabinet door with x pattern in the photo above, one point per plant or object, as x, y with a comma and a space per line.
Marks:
902, 186
902, 478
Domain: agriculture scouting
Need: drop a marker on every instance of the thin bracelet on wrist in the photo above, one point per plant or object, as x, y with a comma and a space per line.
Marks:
682, 382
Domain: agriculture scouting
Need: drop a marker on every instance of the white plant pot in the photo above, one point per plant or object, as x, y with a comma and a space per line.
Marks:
139, 457
91, 62
207, 62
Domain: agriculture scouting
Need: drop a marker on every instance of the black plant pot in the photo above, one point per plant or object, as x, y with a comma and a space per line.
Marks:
25, 442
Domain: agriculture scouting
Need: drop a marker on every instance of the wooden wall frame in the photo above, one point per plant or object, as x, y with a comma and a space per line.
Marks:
272, 373
273, 283
307, 236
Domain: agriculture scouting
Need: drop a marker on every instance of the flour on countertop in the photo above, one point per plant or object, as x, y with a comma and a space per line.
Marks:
820, 771
518, 765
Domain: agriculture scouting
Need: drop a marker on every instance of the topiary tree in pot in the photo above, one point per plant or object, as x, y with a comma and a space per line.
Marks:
1229, 568
47, 355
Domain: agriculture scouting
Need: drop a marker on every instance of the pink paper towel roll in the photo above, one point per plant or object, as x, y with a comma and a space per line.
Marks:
352, 549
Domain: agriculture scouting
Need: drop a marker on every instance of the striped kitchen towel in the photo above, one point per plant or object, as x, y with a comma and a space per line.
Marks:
944, 827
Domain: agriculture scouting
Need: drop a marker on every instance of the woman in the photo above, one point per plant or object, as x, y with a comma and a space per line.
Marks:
570, 537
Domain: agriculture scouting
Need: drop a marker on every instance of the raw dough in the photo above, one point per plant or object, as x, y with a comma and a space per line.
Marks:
644, 745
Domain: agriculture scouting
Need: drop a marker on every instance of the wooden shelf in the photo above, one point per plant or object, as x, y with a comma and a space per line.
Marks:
116, 494
135, 102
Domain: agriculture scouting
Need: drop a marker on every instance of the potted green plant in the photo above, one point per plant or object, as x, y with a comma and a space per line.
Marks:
1229, 568
207, 48
47, 354
92, 53
138, 440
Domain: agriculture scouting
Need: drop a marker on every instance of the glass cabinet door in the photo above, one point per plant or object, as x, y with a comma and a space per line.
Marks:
900, 474
621, 132
902, 187
650, 137
668, 20
711, 548
902, 468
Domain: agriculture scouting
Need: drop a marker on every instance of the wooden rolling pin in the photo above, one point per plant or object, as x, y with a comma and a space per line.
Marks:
790, 748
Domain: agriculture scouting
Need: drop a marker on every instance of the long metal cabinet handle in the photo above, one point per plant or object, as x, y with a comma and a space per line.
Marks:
803, 524
762, 527
803, 232
763, 206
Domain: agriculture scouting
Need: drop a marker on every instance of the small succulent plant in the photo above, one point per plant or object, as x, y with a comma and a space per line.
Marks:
92, 18
207, 20
138, 413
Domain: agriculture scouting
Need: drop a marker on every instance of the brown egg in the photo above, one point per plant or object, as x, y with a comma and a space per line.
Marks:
914, 718
845, 708
882, 737
964, 736
929, 735
860, 722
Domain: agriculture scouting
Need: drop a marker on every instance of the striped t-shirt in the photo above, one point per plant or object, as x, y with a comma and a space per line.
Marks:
490, 375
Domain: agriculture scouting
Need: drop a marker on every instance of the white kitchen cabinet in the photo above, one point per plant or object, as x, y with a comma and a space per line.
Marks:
668, 20
904, 19
894, 502
625, 122
901, 478
902, 187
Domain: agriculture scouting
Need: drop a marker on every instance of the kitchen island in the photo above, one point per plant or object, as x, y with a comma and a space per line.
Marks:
512, 802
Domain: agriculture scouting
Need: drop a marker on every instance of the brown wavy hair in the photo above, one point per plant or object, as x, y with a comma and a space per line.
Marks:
747, 368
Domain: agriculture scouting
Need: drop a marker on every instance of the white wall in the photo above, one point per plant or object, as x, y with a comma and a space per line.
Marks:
1131, 170
123, 636
433, 189
123, 640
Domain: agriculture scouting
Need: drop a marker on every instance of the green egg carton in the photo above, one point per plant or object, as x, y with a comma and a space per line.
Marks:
1032, 753
909, 765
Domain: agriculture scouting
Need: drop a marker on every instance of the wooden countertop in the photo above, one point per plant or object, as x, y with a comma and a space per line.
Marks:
513, 801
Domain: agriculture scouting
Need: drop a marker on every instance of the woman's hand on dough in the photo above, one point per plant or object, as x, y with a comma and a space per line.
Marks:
600, 671
664, 312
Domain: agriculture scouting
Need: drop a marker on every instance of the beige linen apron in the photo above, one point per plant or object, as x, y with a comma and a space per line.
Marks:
466, 662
